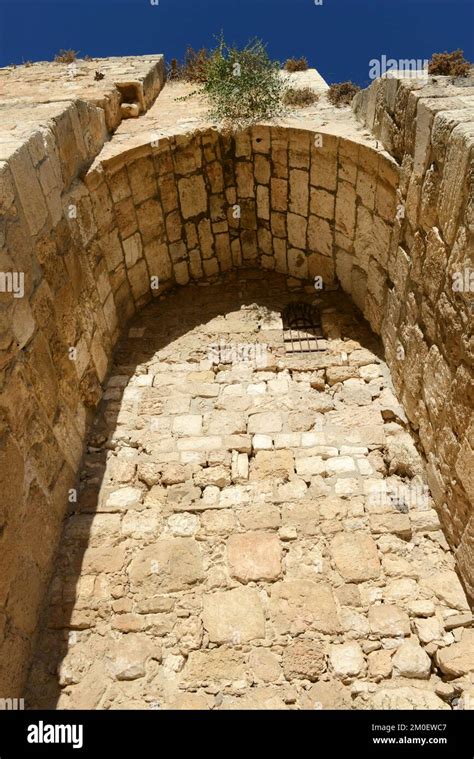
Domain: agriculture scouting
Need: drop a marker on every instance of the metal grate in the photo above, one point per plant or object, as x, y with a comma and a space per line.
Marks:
302, 328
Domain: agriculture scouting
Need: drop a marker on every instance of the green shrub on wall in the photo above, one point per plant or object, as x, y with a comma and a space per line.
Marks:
243, 86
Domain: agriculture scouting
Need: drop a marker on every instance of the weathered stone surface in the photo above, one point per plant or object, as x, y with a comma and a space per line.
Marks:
347, 660
127, 659
379, 664
298, 605
171, 564
265, 665
446, 586
218, 665
327, 695
458, 659
410, 660
233, 616
387, 620
406, 697
123, 499
254, 556
169, 456
304, 660
277, 464
355, 556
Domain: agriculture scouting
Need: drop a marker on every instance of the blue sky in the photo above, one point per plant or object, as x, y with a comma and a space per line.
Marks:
338, 38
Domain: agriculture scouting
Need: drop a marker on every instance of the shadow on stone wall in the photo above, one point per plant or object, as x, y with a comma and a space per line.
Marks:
90, 591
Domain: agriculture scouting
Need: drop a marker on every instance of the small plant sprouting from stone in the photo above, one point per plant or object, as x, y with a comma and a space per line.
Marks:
296, 64
98, 76
300, 97
192, 69
242, 86
342, 93
66, 56
449, 64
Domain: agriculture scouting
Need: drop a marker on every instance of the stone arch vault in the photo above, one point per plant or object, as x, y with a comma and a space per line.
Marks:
93, 233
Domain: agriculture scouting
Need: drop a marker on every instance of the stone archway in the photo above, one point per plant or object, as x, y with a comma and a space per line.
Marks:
252, 529
89, 223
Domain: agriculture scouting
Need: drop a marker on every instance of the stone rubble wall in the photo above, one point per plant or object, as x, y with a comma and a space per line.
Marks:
253, 528
47, 141
429, 129
91, 244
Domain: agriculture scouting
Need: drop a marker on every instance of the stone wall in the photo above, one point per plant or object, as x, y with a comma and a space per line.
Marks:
427, 329
96, 245
48, 139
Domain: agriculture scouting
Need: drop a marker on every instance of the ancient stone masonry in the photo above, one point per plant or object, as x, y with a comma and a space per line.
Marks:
252, 530
429, 129
100, 217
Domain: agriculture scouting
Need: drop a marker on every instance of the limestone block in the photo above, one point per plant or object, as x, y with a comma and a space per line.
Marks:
298, 605
279, 194
264, 665
465, 468
108, 559
188, 154
458, 659
226, 423
385, 201
141, 174
321, 266
406, 698
347, 660
346, 209
304, 660
307, 466
215, 665
320, 236
380, 664
322, 203
233, 616
389, 620
299, 192
192, 195
133, 249
245, 179
365, 188
297, 263
187, 425
428, 629
299, 145
324, 169
260, 517
215, 475
304, 517
398, 524
263, 202
183, 525
411, 660
262, 169
170, 564
278, 464
29, 190
331, 694
355, 556
296, 231
254, 556
453, 183
446, 586
7, 190
264, 422
344, 263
